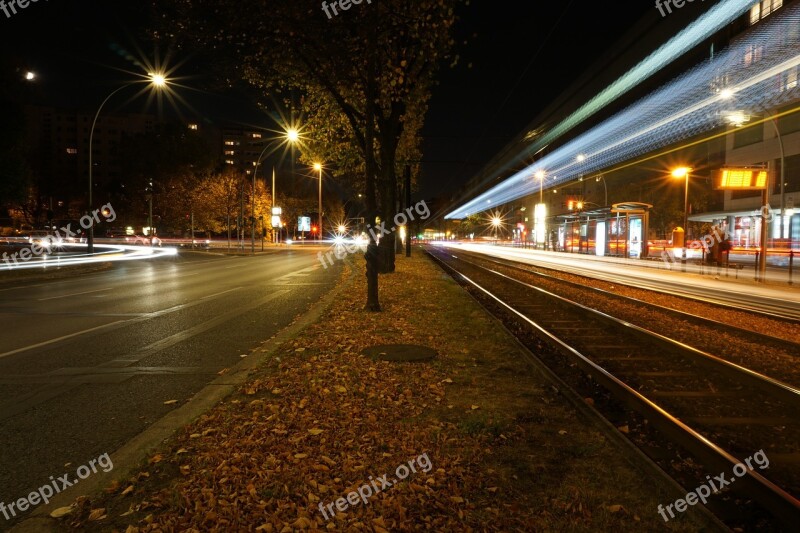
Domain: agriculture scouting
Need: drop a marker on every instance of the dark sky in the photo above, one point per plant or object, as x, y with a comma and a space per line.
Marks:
518, 56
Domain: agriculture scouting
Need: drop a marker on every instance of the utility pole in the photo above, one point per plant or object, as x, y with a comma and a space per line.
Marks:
407, 172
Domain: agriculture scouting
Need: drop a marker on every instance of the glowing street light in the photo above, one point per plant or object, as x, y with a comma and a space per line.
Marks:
292, 135
157, 81
30, 76
581, 158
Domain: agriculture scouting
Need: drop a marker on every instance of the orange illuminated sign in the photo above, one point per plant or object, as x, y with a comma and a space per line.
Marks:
741, 179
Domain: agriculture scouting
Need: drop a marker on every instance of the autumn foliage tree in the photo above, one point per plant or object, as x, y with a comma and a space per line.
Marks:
374, 64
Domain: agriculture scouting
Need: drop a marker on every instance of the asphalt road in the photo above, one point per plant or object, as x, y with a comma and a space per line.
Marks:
87, 362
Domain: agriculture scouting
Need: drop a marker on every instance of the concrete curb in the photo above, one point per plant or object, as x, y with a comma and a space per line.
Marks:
129, 458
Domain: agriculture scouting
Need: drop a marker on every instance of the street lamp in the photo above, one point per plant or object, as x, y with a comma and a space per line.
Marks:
496, 224
292, 136
157, 81
678, 173
318, 167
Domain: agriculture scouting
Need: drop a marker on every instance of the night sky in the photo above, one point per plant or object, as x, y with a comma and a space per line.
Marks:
515, 59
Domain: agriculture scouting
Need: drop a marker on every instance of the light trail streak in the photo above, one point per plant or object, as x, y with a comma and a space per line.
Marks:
695, 102
113, 252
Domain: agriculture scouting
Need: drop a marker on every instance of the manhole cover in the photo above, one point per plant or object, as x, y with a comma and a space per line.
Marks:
400, 352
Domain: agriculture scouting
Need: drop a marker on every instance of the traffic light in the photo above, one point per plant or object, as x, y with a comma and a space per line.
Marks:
570, 205
313, 229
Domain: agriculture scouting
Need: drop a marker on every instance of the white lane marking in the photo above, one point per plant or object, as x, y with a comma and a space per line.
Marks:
74, 294
51, 341
148, 316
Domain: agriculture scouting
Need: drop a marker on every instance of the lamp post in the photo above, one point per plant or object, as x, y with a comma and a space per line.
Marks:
737, 119
605, 188
318, 167
291, 136
678, 173
157, 81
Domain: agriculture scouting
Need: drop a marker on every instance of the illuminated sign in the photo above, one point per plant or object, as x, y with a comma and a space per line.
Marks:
303, 223
540, 216
741, 179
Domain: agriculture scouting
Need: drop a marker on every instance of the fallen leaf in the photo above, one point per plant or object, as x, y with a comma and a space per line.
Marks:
61, 511
615, 508
170, 402
624, 429
97, 514
316, 431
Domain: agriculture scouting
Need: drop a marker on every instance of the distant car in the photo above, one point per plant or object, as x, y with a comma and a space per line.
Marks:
142, 240
43, 238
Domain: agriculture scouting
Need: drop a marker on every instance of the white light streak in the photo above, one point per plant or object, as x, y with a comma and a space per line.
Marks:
106, 253
694, 103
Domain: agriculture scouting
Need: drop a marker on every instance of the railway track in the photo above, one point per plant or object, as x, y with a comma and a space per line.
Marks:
717, 411
770, 307
783, 344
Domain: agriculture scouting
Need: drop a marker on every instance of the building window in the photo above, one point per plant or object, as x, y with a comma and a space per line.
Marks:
753, 54
230, 143
72, 151
193, 127
748, 136
256, 136
230, 152
789, 123
789, 79
763, 9
230, 162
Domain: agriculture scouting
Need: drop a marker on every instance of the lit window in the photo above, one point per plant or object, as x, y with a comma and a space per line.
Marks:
763, 9
247, 172
193, 126
256, 136
753, 54
791, 79
230, 152
230, 143
229, 162
755, 13
72, 151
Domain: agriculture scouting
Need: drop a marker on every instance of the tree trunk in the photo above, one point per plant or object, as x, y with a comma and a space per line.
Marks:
372, 255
